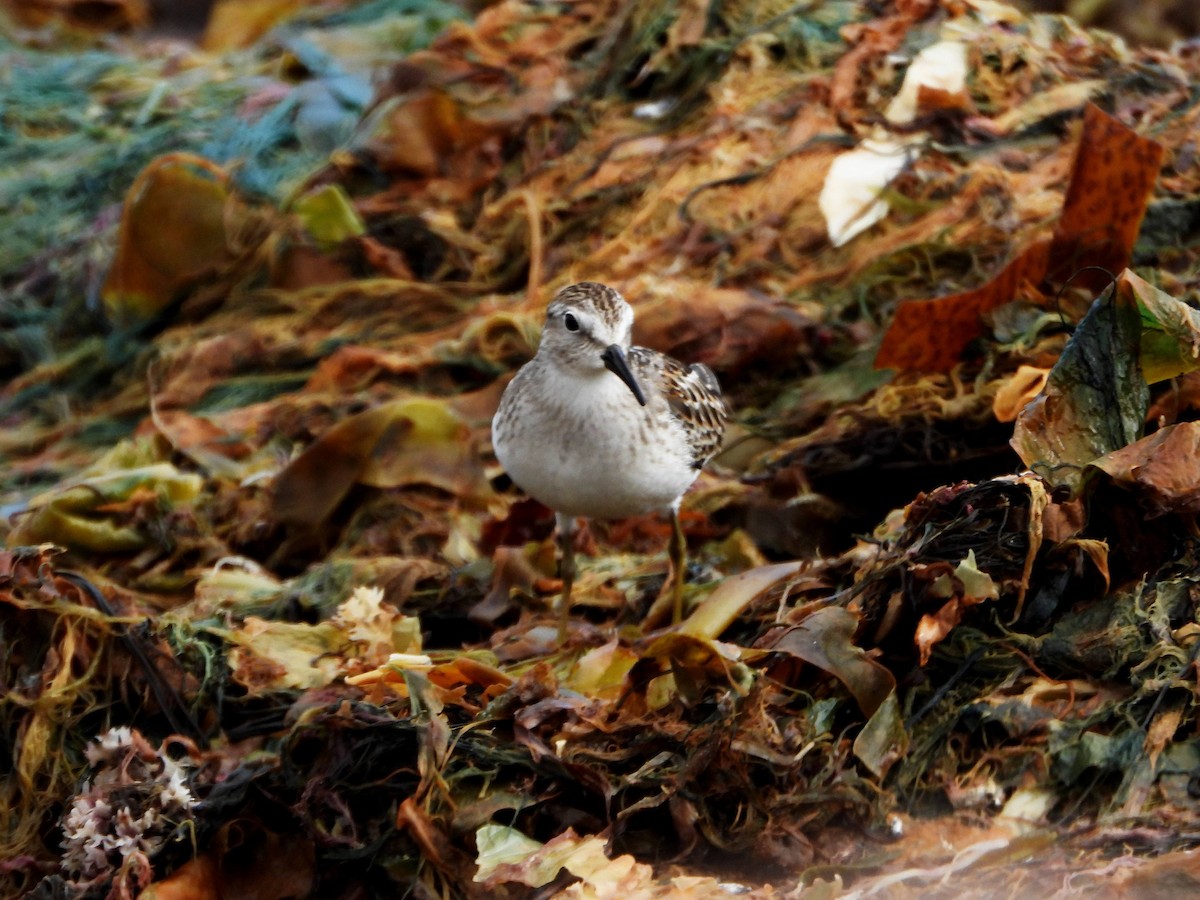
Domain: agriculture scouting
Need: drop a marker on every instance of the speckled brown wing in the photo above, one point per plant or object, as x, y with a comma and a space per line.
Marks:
693, 396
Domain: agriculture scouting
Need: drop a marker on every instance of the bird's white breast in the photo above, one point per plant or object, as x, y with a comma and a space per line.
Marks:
582, 445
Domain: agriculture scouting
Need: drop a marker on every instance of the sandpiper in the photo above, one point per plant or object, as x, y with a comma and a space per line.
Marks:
593, 427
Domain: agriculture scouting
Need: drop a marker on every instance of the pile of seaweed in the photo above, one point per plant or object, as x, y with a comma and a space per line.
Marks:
274, 621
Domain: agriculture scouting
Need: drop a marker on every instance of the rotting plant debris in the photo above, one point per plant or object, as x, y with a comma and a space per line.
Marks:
274, 622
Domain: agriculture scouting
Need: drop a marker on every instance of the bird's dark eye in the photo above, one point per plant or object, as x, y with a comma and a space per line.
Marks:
571, 322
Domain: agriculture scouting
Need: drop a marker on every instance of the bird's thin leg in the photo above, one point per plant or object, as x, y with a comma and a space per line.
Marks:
670, 597
566, 537
677, 555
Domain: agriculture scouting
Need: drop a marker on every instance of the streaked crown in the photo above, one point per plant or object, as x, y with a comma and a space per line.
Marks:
582, 320
604, 306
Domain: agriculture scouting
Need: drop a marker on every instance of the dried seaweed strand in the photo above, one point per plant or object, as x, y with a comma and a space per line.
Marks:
169, 701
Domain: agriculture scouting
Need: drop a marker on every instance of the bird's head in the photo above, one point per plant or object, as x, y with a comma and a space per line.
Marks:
588, 327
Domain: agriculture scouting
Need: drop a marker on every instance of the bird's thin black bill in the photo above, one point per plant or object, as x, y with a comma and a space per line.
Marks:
614, 361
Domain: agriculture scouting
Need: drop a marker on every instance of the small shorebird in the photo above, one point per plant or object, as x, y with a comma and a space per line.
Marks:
594, 427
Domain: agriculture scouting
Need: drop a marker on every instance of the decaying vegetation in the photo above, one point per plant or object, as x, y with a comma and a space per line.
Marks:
273, 621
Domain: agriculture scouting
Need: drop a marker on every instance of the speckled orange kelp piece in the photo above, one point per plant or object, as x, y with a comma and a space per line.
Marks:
1114, 175
1111, 182
930, 335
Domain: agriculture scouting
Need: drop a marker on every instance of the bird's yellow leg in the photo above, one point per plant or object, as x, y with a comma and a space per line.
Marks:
671, 595
566, 538
677, 556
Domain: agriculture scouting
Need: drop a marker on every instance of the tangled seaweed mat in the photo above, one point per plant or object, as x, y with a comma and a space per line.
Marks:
275, 624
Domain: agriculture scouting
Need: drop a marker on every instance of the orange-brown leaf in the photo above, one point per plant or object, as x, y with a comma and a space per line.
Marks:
1162, 467
1114, 173
826, 640
315, 482
413, 441
173, 228
930, 335
239, 23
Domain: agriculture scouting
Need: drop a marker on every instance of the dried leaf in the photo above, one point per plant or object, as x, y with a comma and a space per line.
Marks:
725, 328
417, 133
967, 586
933, 628
977, 584
1017, 390
196, 879
994, 11
693, 664
433, 729
327, 214
501, 846
272, 656
825, 639
427, 443
465, 670
236, 589
239, 23
88, 15
1162, 467
930, 335
88, 514
202, 441
1095, 398
415, 441
883, 740
506, 857
600, 673
173, 228
1112, 179
434, 844
718, 610
1039, 500
1030, 804
1162, 732
1170, 330
1113, 175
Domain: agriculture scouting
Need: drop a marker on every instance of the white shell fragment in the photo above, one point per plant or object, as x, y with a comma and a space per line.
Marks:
941, 66
850, 199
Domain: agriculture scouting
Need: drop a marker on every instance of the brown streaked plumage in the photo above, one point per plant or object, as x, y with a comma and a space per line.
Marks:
595, 427
693, 396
